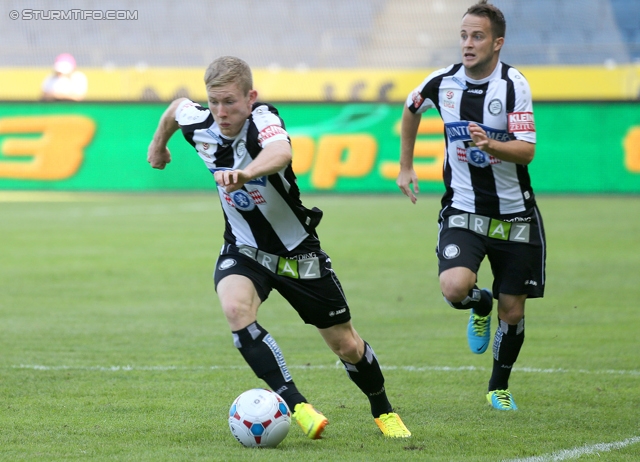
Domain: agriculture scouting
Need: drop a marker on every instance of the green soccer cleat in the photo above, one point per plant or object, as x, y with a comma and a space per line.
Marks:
311, 421
502, 400
391, 426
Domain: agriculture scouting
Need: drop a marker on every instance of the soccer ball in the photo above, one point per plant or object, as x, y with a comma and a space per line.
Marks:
259, 418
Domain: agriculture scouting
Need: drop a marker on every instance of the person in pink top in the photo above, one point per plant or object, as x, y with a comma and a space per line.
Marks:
65, 83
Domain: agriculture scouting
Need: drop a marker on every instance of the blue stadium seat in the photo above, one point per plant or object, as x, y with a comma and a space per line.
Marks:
627, 15
318, 33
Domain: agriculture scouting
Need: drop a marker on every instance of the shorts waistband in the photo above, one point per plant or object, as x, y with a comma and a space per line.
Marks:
302, 266
517, 231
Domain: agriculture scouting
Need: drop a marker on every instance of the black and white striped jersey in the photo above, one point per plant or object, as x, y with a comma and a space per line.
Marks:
266, 213
501, 104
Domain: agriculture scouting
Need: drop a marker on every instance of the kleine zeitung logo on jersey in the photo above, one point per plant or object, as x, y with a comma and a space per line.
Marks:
521, 122
270, 131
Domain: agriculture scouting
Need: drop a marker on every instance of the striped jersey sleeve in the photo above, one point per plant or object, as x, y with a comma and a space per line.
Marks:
501, 104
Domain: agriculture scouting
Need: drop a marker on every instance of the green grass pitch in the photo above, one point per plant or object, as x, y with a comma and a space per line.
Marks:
113, 346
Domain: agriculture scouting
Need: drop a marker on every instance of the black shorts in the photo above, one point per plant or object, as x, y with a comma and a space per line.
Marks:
306, 281
515, 246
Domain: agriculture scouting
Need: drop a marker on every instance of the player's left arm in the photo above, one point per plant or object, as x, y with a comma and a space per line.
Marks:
520, 125
274, 157
516, 151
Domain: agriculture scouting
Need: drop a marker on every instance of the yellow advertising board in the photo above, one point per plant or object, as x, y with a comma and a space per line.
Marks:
584, 83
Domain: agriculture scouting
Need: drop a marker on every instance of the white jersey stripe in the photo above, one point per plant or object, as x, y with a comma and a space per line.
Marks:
266, 213
477, 182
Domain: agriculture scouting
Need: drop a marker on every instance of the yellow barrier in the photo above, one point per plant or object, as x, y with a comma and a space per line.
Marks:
152, 84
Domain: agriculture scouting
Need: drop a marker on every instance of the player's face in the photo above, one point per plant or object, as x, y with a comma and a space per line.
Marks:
480, 51
230, 107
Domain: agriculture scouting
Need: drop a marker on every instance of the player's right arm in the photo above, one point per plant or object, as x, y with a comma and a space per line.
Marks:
158, 155
419, 101
407, 175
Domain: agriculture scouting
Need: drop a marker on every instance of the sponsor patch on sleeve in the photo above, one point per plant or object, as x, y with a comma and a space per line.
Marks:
272, 133
521, 122
417, 99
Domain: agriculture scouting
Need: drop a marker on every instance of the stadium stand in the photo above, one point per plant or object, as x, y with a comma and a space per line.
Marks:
317, 34
560, 32
627, 15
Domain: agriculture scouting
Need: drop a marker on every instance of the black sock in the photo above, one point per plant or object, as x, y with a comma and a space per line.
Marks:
506, 347
366, 374
479, 300
264, 357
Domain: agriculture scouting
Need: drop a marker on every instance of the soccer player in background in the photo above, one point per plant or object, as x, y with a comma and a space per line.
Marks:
270, 239
488, 208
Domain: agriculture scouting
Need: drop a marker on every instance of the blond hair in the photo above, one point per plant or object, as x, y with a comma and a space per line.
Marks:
229, 69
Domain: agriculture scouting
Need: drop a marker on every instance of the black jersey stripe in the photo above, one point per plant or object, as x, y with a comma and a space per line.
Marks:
247, 218
476, 182
431, 91
266, 238
224, 156
522, 171
188, 130
482, 179
309, 219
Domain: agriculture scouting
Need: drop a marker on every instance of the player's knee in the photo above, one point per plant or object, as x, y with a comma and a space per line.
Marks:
455, 283
511, 308
453, 290
238, 314
347, 348
512, 317
454, 293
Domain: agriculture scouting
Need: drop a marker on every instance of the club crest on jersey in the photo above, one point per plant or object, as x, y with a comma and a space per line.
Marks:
495, 106
242, 200
241, 149
464, 157
477, 158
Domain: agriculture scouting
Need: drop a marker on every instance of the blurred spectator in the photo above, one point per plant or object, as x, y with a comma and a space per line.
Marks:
65, 83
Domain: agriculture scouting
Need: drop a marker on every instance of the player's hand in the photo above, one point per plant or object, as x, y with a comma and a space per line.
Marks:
231, 180
158, 156
478, 136
404, 181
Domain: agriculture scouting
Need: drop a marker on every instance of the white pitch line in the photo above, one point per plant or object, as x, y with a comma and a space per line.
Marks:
568, 454
338, 365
